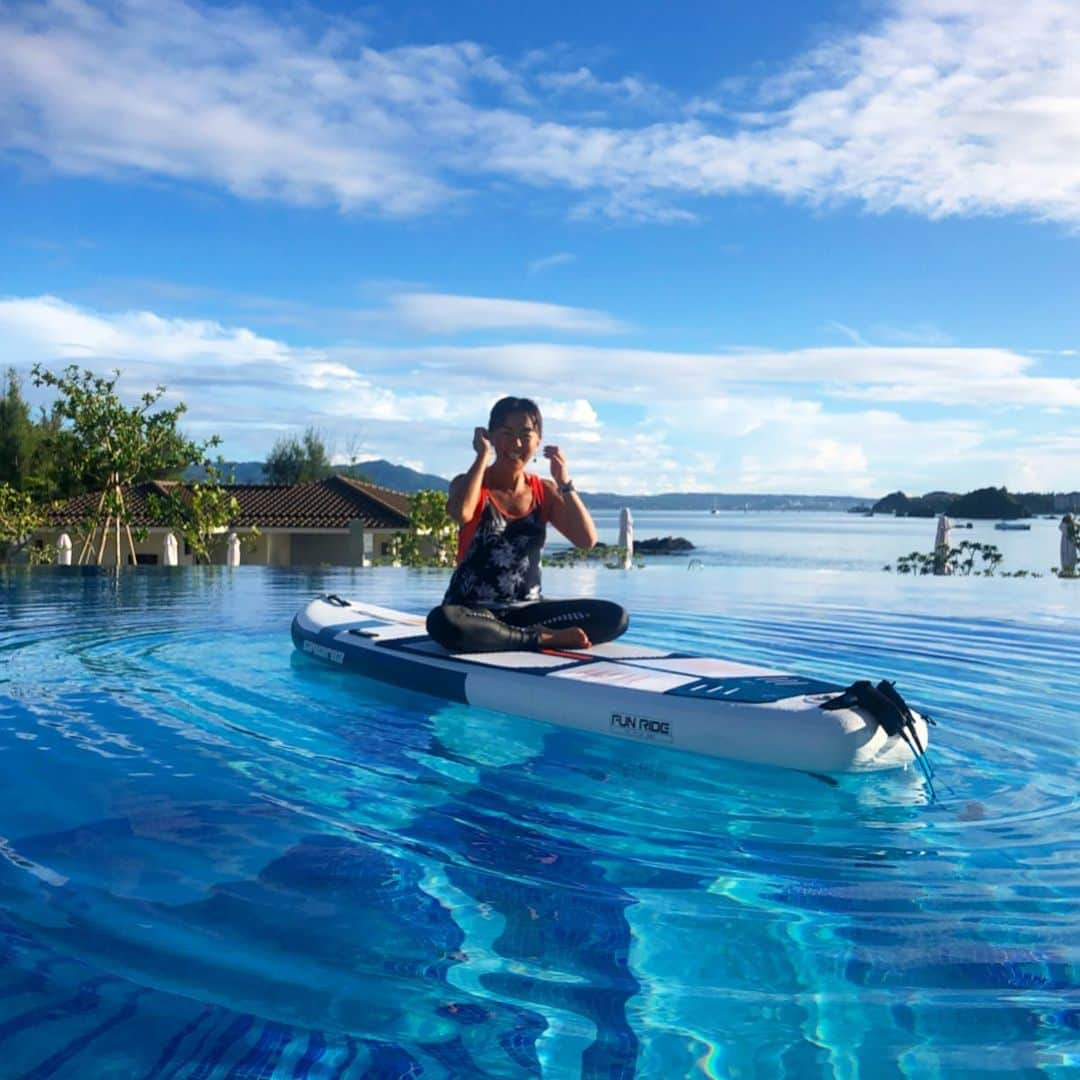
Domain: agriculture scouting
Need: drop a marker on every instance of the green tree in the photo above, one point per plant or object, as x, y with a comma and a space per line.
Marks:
432, 538
19, 517
113, 445
199, 511
297, 461
19, 436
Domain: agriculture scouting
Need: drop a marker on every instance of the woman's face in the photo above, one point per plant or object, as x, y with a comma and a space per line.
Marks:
516, 438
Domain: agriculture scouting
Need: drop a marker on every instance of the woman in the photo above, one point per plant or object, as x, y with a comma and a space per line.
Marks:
493, 601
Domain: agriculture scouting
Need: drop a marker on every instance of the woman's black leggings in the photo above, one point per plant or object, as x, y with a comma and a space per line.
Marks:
466, 629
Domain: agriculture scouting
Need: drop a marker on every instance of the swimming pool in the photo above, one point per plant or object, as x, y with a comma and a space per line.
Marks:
222, 860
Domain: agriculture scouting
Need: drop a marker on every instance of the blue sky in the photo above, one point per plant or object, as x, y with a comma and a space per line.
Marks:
816, 247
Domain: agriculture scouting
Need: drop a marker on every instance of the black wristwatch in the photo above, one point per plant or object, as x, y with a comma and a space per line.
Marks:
565, 489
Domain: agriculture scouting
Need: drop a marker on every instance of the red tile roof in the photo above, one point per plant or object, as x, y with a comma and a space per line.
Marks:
322, 504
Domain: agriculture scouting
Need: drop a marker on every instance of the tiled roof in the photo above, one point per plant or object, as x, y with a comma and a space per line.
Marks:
322, 504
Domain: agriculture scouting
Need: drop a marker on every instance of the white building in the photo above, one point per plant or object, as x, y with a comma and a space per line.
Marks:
334, 522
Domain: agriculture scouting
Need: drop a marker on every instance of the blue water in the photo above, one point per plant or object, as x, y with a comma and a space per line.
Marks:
220, 859
836, 541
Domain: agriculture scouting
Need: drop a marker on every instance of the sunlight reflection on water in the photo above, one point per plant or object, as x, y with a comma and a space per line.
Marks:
217, 856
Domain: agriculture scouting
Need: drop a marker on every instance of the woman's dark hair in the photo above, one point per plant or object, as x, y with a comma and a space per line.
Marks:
507, 405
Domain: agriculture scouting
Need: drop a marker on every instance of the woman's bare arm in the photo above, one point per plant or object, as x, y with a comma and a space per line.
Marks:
567, 512
464, 497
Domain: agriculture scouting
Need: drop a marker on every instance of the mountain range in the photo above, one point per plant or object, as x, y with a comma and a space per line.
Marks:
380, 472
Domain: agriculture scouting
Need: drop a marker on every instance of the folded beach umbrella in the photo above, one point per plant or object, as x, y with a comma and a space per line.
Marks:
626, 537
1068, 548
942, 543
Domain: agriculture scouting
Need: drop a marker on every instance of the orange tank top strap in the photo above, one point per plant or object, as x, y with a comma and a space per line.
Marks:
468, 530
539, 496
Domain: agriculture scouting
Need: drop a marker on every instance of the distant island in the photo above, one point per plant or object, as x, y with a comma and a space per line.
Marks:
984, 504
995, 504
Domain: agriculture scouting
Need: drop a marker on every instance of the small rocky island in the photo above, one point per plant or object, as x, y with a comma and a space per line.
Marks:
662, 545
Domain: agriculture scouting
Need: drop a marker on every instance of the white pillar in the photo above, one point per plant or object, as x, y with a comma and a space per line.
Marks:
232, 550
63, 550
171, 554
626, 536
369, 549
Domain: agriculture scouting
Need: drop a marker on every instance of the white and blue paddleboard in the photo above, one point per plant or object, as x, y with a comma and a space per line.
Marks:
706, 705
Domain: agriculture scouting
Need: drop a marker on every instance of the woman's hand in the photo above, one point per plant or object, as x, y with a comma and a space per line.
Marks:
481, 443
560, 471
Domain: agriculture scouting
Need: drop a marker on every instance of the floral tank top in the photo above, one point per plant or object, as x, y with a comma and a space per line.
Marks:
498, 555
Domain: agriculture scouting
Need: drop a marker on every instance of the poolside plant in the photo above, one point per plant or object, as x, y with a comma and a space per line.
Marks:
611, 555
970, 558
113, 445
432, 536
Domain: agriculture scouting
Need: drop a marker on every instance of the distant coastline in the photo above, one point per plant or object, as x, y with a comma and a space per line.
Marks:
720, 502
402, 478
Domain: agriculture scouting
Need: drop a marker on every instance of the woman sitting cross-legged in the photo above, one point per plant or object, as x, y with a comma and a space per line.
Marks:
493, 602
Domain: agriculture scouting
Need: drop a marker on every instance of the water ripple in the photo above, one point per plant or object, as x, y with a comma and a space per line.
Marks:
216, 852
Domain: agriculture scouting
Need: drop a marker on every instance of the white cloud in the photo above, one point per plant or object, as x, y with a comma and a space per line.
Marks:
937, 376
171, 89
577, 413
734, 421
943, 107
629, 89
440, 313
823, 465
49, 330
549, 262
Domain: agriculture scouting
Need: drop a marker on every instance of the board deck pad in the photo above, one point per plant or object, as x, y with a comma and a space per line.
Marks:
615, 663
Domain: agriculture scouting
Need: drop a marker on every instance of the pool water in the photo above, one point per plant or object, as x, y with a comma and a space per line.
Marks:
222, 859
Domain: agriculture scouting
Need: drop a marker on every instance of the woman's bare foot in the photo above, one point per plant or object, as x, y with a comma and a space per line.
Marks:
572, 637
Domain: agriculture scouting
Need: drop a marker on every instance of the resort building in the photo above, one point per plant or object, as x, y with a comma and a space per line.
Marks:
334, 522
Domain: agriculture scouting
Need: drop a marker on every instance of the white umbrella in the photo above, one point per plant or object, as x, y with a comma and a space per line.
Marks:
63, 550
942, 544
1068, 548
232, 550
172, 554
626, 536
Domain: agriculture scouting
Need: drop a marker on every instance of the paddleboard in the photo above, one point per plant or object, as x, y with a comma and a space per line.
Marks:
706, 705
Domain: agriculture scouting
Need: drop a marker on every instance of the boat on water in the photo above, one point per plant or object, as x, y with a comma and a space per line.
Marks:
1013, 525
707, 705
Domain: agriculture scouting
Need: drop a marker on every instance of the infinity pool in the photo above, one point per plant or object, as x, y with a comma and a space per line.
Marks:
220, 859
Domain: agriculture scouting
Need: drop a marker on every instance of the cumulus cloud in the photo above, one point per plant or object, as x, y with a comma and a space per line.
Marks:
734, 421
943, 107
